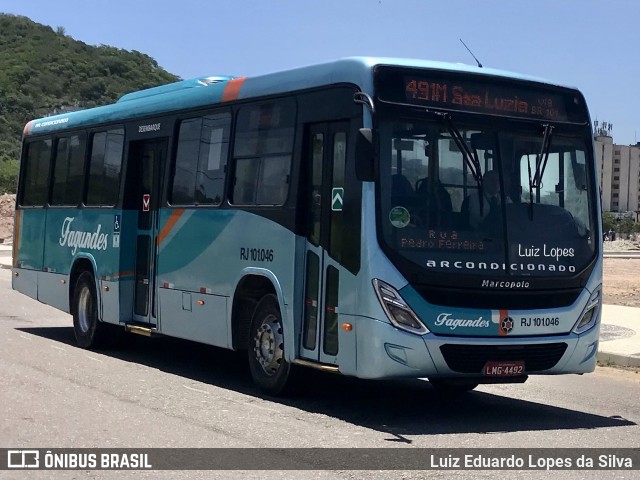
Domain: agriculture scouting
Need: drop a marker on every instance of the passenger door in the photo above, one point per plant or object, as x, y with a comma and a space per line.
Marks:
326, 158
146, 159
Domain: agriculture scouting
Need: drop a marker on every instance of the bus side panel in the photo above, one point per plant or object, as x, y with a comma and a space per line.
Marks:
29, 251
81, 233
31, 242
194, 316
189, 268
116, 300
109, 300
25, 281
201, 253
53, 289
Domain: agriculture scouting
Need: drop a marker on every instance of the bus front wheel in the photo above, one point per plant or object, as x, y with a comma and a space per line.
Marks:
270, 371
86, 326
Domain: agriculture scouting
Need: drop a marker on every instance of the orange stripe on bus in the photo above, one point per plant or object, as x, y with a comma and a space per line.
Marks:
503, 314
27, 128
114, 276
173, 219
130, 273
16, 236
232, 90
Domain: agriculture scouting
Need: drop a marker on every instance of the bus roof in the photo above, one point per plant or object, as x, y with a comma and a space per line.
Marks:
212, 90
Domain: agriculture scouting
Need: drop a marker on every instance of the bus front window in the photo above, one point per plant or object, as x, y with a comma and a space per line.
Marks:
473, 207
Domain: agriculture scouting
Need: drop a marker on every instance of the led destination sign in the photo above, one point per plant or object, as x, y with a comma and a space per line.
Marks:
486, 98
479, 94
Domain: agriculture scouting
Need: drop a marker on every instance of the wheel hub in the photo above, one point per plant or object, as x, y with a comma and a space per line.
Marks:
269, 345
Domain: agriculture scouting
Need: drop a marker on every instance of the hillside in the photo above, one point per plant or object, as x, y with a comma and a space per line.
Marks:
45, 72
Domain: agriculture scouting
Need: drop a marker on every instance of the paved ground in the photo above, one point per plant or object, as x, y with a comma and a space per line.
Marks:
165, 392
619, 333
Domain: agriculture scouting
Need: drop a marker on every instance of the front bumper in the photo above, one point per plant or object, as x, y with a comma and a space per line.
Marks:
383, 351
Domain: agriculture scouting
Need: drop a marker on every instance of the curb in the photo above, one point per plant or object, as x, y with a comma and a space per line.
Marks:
608, 359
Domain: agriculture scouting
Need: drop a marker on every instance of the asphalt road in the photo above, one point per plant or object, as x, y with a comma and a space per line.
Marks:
169, 393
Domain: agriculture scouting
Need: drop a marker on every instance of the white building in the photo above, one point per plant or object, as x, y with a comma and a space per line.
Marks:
619, 175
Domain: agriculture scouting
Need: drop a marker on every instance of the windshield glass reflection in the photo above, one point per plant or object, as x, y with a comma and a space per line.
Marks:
519, 214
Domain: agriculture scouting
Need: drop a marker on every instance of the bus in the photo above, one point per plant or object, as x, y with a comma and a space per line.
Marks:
374, 217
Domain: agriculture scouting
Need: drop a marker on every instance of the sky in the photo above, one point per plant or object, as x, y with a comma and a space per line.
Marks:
588, 44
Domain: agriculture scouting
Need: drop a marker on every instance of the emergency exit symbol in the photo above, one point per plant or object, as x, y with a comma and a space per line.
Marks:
146, 202
337, 199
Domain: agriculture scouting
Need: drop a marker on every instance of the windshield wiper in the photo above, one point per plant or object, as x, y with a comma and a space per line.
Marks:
530, 189
470, 158
541, 165
542, 157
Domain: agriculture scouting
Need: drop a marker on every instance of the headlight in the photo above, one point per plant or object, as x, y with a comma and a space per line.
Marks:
590, 313
400, 314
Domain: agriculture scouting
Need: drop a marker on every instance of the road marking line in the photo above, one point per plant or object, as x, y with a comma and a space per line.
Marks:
26, 338
57, 348
94, 359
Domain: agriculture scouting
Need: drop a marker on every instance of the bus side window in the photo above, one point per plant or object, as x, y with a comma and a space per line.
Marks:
36, 173
244, 191
262, 152
68, 171
212, 164
201, 160
105, 167
186, 162
272, 185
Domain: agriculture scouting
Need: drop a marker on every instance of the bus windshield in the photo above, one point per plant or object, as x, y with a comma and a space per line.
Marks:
475, 199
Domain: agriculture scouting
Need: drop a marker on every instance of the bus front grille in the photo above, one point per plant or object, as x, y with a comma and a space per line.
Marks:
472, 358
498, 299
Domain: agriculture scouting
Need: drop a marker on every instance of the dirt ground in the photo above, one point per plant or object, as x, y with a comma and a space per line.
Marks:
622, 281
621, 276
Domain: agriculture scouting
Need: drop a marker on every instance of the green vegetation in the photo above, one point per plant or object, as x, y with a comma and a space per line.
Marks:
619, 225
43, 72
8, 175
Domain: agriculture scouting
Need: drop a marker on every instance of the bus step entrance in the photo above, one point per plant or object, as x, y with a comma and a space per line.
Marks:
146, 330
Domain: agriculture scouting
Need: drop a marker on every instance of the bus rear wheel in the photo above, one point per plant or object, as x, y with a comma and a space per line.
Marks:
269, 369
86, 326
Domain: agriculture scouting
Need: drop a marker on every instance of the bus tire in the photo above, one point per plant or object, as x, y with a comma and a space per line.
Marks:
269, 369
452, 387
87, 328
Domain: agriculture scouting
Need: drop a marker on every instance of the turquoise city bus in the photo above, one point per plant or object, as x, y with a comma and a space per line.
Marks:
374, 217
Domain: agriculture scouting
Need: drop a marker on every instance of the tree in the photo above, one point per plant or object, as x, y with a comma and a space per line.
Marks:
8, 176
608, 221
624, 225
44, 70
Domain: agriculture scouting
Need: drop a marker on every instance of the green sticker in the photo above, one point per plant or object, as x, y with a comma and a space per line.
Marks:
399, 217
